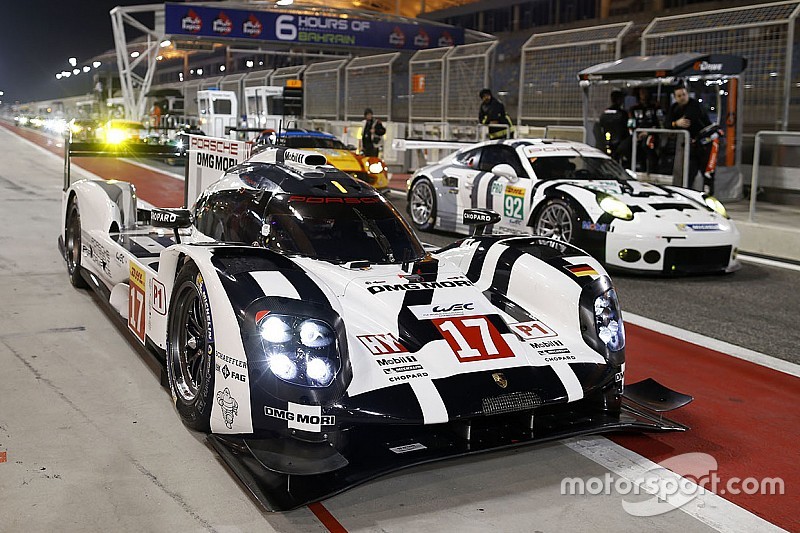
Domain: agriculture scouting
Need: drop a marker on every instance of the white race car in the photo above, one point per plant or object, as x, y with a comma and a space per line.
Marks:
575, 193
301, 322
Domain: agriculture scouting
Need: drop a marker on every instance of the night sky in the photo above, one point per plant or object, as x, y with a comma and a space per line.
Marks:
37, 38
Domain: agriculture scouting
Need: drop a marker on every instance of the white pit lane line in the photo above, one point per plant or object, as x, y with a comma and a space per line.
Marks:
758, 358
165, 172
707, 507
768, 262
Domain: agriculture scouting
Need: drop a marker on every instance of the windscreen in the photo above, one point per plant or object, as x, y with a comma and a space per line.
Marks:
577, 167
363, 229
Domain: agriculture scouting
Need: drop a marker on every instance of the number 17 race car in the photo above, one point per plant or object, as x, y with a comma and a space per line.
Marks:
302, 324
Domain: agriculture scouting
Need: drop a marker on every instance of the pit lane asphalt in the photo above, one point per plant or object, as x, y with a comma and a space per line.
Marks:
756, 307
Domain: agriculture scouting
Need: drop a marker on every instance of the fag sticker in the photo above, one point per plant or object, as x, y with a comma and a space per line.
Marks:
534, 329
583, 270
136, 301
473, 338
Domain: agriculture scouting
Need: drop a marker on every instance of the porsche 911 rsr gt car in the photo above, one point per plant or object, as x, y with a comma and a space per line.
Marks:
344, 157
575, 193
301, 322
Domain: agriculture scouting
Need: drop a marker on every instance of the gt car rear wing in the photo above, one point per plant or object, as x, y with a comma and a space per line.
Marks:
101, 149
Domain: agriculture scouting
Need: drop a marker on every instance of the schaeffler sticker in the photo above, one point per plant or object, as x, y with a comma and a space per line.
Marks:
229, 406
473, 338
137, 315
302, 417
382, 344
534, 329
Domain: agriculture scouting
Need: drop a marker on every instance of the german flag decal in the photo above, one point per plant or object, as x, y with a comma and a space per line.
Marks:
582, 270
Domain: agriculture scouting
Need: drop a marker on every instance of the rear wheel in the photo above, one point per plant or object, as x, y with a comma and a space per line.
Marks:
423, 205
190, 349
557, 220
72, 245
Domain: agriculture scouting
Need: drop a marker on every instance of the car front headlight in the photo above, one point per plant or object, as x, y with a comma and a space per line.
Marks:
299, 350
614, 206
715, 205
601, 322
115, 136
375, 168
608, 320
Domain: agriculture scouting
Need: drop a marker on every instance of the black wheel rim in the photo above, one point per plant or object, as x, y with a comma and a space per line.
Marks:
188, 343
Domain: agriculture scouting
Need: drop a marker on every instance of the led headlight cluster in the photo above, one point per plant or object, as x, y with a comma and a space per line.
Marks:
614, 207
608, 320
299, 350
715, 204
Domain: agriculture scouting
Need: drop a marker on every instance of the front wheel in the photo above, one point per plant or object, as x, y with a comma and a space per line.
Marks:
190, 349
422, 203
72, 245
557, 220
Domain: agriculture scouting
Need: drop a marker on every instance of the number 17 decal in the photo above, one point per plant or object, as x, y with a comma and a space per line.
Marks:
473, 338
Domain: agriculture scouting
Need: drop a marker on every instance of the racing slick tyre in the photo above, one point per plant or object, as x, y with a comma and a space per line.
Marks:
557, 220
72, 246
422, 205
190, 349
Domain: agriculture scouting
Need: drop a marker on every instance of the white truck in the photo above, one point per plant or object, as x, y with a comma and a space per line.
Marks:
265, 107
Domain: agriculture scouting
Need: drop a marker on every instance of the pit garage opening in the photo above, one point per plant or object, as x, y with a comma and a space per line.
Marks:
714, 80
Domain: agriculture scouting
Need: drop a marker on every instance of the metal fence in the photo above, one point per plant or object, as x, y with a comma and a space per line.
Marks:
467, 72
548, 86
427, 84
764, 34
368, 83
322, 84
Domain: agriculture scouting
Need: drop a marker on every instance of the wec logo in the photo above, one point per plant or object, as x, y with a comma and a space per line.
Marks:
455, 307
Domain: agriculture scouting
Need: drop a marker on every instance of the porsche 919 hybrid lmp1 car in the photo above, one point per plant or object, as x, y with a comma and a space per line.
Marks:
575, 193
301, 322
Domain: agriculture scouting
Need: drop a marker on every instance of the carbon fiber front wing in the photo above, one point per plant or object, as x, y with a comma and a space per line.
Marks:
378, 450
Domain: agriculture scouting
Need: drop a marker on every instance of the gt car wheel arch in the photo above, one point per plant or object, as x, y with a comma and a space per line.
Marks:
577, 212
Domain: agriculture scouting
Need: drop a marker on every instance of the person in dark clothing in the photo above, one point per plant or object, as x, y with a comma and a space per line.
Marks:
371, 134
687, 114
492, 113
645, 114
614, 129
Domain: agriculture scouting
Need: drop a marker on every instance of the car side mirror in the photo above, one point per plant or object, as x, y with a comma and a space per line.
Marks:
479, 219
171, 218
505, 170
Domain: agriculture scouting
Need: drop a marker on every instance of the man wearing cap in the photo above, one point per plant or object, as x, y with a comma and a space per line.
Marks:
493, 114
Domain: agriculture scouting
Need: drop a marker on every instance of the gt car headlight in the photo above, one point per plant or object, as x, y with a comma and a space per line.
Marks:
375, 168
614, 207
715, 205
300, 350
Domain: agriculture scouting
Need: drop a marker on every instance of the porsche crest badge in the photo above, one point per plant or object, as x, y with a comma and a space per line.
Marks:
500, 379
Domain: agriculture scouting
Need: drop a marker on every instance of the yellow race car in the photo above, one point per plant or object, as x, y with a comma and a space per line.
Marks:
370, 169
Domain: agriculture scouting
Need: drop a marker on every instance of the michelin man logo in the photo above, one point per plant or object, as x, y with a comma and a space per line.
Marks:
230, 407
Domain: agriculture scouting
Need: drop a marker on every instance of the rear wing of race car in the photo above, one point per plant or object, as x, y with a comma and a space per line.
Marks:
121, 150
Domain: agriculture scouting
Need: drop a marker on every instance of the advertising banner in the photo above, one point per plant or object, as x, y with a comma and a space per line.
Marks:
291, 28
209, 159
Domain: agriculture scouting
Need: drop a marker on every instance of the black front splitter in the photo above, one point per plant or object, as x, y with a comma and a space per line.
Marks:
378, 450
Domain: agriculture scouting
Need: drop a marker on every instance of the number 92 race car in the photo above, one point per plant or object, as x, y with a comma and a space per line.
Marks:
575, 193
302, 324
